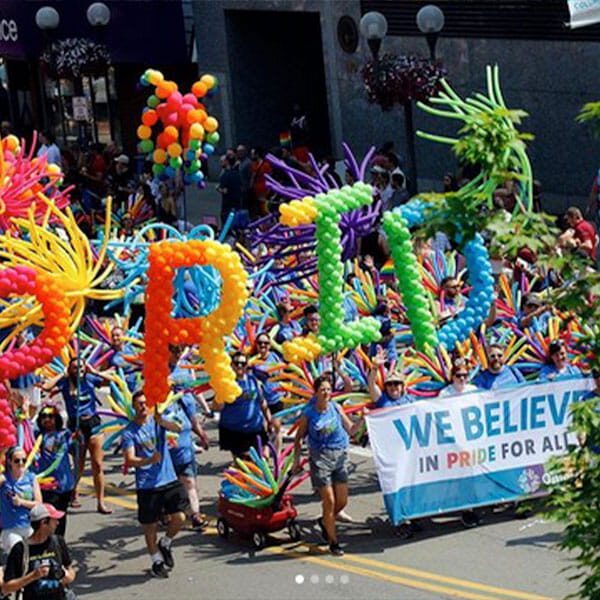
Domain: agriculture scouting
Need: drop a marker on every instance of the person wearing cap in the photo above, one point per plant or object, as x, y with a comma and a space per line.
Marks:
158, 490
55, 445
393, 393
498, 374
383, 313
535, 313
557, 366
48, 566
19, 493
120, 180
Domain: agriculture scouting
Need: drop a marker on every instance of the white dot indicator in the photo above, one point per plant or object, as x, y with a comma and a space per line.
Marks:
344, 579
314, 579
299, 579
329, 579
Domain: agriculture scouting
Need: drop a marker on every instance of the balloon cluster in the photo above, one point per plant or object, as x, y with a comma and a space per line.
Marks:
165, 258
187, 133
480, 298
326, 211
253, 483
414, 296
48, 290
25, 181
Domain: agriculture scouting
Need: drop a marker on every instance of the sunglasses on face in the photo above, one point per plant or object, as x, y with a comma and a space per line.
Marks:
461, 375
264, 343
495, 356
19, 461
238, 363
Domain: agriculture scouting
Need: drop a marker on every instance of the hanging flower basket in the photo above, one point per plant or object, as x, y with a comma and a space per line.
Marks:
74, 57
398, 79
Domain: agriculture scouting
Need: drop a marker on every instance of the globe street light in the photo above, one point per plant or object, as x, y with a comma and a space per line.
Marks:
373, 27
47, 18
430, 21
98, 14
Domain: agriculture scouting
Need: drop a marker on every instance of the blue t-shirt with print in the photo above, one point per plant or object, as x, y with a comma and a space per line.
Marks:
181, 412
486, 380
325, 429
53, 443
119, 361
145, 439
12, 516
244, 413
87, 395
385, 401
287, 331
270, 388
550, 373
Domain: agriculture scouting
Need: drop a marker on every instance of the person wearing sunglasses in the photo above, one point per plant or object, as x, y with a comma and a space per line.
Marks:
79, 393
248, 416
534, 313
557, 365
394, 385
264, 362
498, 374
328, 430
55, 445
459, 381
19, 493
451, 301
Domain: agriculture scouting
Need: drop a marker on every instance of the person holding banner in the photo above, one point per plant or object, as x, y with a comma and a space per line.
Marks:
459, 381
498, 374
558, 366
328, 430
393, 385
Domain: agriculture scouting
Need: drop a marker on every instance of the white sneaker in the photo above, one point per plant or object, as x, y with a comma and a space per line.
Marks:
343, 517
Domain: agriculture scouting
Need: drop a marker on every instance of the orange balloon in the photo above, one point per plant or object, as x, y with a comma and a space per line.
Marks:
144, 132
149, 118
159, 156
174, 150
199, 89
171, 133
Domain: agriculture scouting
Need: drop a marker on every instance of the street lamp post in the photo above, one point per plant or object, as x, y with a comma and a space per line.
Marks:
373, 27
430, 21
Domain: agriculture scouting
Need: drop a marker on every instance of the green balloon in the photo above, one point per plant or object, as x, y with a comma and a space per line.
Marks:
153, 101
146, 146
175, 162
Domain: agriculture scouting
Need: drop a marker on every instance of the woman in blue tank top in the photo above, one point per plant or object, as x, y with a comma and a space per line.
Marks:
327, 429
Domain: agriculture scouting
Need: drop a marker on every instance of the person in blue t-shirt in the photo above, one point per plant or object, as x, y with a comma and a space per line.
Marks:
534, 314
124, 357
498, 374
287, 329
394, 385
55, 445
558, 366
328, 430
81, 401
248, 416
19, 493
158, 490
184, 412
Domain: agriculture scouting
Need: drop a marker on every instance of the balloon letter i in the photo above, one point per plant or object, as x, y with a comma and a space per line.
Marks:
325, 210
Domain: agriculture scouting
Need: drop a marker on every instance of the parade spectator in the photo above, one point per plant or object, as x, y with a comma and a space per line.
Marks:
450, 183
40, 567
287, 328
300, 133
19, 493
328, 429
120, 180
400, 194
157, 487
230, 188
78, 387
394, 385
244, 165
49, 149
557, 366
55, 446
248, 416
498, 374
581, 235
260, 168
459, 381
166, 205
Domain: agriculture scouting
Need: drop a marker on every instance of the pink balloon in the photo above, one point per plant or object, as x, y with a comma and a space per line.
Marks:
190, 99
171, 119
174, 101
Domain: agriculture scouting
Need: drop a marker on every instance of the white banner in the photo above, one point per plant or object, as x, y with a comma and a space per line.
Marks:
584, 12
440, 455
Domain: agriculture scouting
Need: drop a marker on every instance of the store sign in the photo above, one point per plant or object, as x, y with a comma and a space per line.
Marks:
584, 12
9, 31
80, 108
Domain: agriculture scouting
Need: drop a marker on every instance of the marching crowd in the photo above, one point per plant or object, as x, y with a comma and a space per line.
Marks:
64, 412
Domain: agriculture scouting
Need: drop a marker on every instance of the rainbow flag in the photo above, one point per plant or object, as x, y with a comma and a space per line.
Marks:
285, 139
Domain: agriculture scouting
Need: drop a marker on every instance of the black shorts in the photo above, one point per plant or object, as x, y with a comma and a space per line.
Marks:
239, 442
168, 499
86, 425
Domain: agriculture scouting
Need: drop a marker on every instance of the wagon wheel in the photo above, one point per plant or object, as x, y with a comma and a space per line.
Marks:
258, 540
294, 530
222, 528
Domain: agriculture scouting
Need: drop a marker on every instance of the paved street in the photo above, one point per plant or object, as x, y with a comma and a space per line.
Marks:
504, 558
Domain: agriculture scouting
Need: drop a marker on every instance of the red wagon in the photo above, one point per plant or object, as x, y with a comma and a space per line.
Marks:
257, 523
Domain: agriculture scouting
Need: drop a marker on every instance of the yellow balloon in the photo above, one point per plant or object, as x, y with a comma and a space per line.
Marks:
174, 150
211, 124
